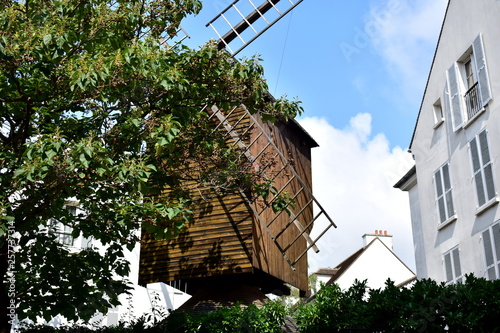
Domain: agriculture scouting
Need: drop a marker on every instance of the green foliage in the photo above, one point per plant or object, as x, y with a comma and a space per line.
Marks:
267, 319
251, 319
427, 306
96, 108
279, 201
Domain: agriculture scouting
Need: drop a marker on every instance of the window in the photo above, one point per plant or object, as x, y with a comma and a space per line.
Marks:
491, 242
468, 85
482, 169
438, 113
452, 267
63, 232
444, 197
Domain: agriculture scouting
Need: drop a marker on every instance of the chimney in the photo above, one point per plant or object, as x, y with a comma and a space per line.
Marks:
382, 235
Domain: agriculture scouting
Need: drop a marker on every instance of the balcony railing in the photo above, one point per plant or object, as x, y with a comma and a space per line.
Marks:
473, 101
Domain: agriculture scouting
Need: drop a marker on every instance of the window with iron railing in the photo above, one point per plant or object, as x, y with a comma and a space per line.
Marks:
473, 101
468, 87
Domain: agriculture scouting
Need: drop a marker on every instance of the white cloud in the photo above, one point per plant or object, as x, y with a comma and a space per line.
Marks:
407, 32
353, 175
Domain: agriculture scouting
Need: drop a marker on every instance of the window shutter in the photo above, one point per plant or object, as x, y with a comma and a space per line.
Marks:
455, 97
447, 265
476, 166
446, 102
447, 186
496, 240
488, 253
488, 167
439, 196
482, 72
456, 263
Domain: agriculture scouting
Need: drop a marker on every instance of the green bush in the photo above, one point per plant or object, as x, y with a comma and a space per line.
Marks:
249, 319
427, 306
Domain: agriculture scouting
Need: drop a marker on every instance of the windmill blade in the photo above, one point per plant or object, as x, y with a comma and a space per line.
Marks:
262, 152
238, 17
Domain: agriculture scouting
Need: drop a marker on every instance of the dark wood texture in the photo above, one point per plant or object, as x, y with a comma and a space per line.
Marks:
225, 237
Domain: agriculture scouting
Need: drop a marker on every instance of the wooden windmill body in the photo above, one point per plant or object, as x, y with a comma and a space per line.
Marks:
241, 238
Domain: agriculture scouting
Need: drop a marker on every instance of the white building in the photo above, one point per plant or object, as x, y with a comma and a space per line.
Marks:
453, 188
155, 299
375, 262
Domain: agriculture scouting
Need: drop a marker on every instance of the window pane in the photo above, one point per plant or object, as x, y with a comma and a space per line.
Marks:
447, 265
474, 155
449, 205
487, 248
456, 263
66, 239
469, 73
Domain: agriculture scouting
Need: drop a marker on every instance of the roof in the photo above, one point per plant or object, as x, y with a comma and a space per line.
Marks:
406, 177
347, 263
344, 265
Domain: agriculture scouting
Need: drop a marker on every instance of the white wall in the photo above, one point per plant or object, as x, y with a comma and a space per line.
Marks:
376, 264
432, 147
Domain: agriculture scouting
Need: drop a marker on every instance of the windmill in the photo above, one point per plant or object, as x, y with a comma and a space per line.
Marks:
240, 237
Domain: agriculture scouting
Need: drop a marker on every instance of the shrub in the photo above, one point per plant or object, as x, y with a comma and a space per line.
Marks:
428, 306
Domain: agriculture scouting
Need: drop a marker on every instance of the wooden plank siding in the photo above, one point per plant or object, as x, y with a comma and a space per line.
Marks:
225, 236
296, 147
219, 241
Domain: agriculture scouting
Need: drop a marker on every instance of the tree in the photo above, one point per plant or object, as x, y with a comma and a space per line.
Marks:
97, 108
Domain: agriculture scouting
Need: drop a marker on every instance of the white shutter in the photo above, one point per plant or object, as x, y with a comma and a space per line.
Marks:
488, 254
447, 267
496, 240
440, 196
487, 166
446, 102
456, 263
476, 168
482, 72
455, 97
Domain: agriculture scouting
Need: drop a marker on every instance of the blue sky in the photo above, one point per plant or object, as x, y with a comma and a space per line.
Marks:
359, 68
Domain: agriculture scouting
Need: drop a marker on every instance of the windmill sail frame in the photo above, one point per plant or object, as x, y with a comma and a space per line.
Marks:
285, 165
247, 20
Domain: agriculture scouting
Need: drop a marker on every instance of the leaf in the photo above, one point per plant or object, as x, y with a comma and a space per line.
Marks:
19, 172
84, 160
162, 141
47, 39
136, 122
50, 154
152, 167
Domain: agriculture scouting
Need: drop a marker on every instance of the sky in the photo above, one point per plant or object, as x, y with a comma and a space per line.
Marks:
360, 69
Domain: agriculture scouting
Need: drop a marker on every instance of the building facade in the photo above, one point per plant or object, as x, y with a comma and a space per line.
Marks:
375, 262
453, 188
